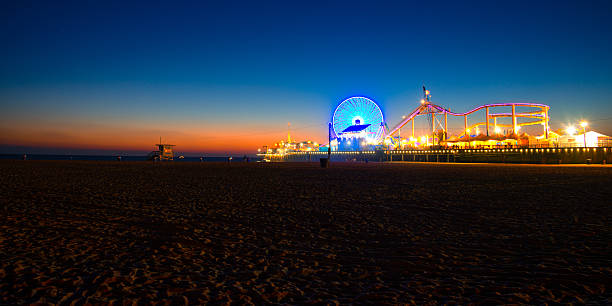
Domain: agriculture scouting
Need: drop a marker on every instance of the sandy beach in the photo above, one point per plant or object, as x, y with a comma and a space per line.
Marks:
100, 232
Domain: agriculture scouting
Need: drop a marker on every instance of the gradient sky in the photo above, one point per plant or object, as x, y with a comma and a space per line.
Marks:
226, 76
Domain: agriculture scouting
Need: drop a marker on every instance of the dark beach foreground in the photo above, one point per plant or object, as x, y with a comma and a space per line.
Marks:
98, 232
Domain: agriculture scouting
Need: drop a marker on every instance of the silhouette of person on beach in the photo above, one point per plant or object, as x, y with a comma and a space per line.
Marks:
25, 157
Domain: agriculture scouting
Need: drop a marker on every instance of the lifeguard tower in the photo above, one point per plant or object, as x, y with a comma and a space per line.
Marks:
164, 152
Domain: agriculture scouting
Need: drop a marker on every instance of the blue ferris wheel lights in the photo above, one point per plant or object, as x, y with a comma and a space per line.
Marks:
358, 111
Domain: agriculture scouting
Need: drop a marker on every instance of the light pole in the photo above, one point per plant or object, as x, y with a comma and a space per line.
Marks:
329, 128
584, 124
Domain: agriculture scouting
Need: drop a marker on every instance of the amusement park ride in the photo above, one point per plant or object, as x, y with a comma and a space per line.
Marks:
358, 124
439, 130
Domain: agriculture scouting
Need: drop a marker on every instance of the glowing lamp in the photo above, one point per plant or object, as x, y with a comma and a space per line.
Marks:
497, 130
570, 130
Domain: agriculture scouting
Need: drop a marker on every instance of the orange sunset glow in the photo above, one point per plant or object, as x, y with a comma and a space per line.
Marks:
191, 139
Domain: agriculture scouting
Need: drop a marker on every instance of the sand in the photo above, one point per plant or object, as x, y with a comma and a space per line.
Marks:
99, 232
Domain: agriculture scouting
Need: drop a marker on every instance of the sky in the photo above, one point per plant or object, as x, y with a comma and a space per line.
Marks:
225, 77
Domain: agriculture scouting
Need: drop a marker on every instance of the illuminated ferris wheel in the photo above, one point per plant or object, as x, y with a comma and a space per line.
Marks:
358, 111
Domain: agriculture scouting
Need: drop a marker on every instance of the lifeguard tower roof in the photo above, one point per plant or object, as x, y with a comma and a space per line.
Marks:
356, 128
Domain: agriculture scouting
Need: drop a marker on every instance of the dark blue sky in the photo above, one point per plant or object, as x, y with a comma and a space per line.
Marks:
250, 67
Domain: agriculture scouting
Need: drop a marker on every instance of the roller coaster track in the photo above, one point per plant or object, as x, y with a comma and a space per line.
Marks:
428, 108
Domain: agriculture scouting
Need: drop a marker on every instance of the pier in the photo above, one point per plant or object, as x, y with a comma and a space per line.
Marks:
595, 155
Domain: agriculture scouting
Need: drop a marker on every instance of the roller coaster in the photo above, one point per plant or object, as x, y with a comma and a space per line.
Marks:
540, 116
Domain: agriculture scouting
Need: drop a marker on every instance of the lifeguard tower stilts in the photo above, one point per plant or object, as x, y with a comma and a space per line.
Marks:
164, 152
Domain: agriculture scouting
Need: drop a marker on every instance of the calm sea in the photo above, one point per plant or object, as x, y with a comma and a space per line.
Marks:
123, 158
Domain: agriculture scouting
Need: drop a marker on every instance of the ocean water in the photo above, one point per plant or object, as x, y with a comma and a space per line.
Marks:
123, 158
